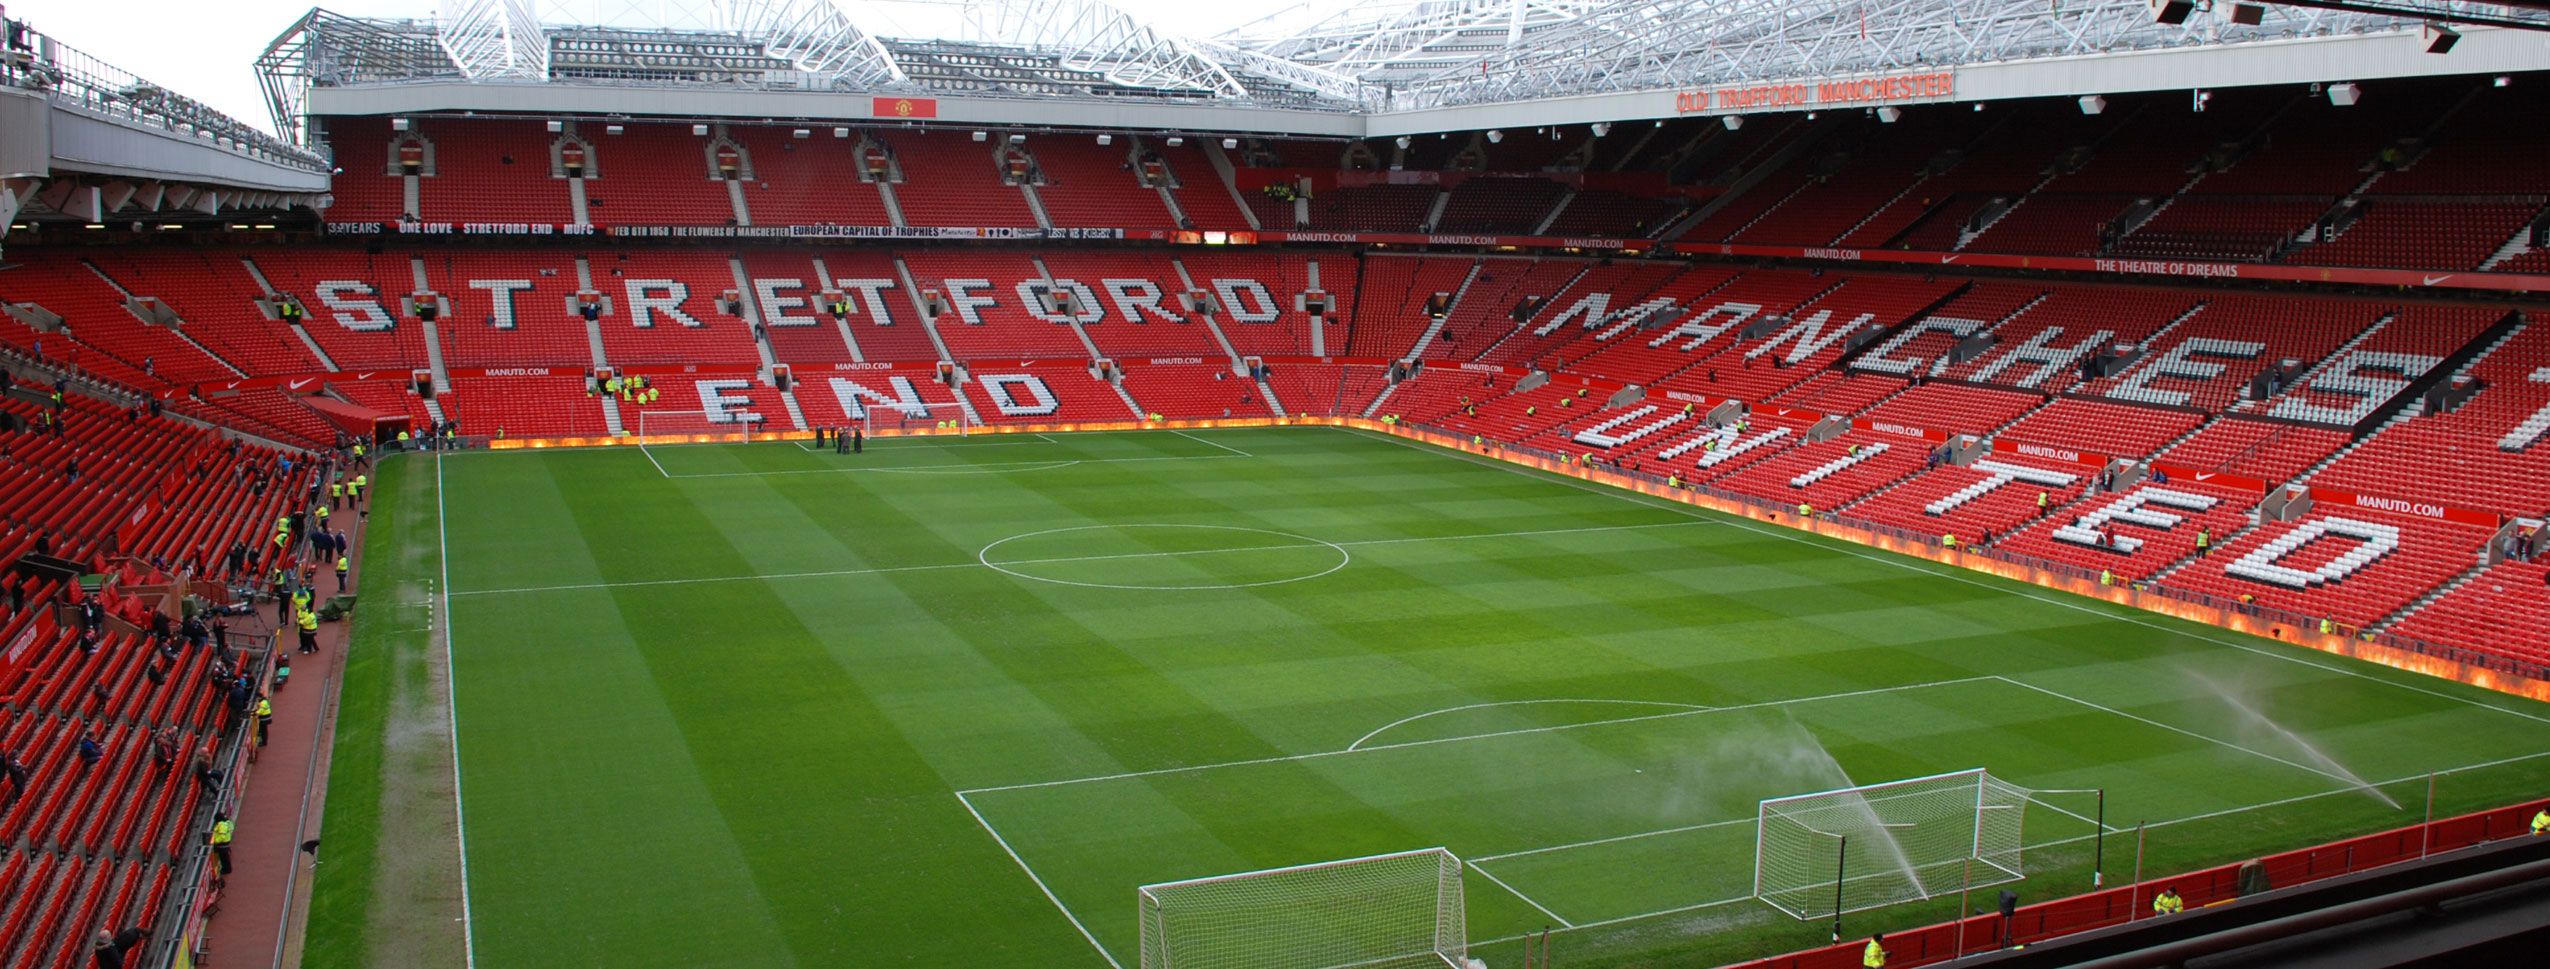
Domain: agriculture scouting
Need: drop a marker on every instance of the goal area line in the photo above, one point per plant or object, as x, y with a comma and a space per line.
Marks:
1552, 907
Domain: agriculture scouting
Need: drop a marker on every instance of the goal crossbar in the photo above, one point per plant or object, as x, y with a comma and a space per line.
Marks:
1856, 848
1400, 910
694, 427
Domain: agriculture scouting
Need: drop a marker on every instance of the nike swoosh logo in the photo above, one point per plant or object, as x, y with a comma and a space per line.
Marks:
2204, 477
1944, 260
298, 384
2432, 280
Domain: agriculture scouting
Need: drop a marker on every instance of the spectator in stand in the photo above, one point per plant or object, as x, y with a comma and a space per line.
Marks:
164, 745
105, 953
17, 773
89, 750
205, 775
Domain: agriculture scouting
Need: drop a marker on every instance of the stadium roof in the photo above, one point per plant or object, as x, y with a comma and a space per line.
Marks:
1357, 58
1430, 53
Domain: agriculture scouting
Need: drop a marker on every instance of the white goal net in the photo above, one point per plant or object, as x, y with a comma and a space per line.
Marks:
691, 426
917, 418
1858, 848
1398, 911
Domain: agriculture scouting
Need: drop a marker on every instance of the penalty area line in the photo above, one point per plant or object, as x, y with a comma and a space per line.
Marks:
1039, 881
1511, 890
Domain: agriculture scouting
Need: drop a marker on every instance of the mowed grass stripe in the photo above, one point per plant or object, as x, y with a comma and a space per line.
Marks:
576, 760
961, 678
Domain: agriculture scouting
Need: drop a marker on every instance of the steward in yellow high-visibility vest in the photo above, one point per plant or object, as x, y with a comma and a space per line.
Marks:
1948, 541
2106, 577
2541, 822
2168, 902
219, 839
2041, 498
2326, 626
1874, 957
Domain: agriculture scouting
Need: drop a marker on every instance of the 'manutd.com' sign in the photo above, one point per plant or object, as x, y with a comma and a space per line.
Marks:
1835, 92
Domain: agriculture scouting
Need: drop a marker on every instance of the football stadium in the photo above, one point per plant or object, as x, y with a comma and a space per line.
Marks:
1473, 484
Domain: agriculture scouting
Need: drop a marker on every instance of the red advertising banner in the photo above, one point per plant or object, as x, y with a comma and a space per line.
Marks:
2334, 500
2181, 474
2050, 453
2494, 282
904, 107
1899, 430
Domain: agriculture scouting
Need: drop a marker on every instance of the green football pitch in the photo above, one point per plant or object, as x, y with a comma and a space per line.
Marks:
951, 701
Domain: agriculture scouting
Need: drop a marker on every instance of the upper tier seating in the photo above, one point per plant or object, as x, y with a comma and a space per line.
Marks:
1510, 206
364, 187
1603, 212
493, 171
655, 174
949, 180
805, 181
1200, 191
1381, 208
1088, 184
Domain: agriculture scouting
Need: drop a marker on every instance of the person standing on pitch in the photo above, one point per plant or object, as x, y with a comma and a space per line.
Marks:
858, 441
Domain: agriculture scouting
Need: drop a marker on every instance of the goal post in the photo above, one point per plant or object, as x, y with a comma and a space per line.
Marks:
900, 419
693, 427
1852, 849
1394, 911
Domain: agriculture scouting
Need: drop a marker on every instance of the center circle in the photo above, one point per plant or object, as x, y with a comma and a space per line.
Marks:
1164, 557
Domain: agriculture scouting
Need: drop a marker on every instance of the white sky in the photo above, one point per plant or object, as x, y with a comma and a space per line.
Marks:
211, 57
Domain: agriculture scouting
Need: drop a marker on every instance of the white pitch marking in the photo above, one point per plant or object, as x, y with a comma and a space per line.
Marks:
1511, 890
827, 573
2182, 731
1385, 728
1907, 565
451, 709
1038, 879
1554, 728
1225, 447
